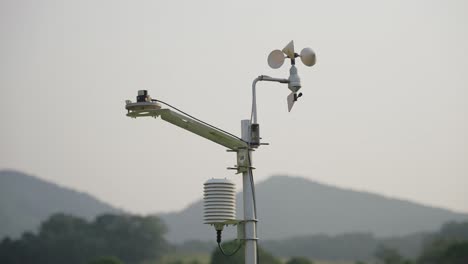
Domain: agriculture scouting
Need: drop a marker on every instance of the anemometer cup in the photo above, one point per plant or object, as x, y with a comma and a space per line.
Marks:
276, 59
308, 57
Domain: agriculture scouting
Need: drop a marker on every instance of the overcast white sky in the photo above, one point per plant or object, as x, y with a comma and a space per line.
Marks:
384, 110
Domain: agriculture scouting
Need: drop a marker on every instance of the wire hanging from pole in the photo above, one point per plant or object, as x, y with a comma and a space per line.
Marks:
229, 254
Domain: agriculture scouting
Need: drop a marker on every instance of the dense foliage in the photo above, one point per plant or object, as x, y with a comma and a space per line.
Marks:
135, 239
299, 260
106, 260
390, 256
448, 246
238, 258
354, 246
68, 239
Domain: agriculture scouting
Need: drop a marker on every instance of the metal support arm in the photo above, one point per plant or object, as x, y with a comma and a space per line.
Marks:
187, 123
253, 118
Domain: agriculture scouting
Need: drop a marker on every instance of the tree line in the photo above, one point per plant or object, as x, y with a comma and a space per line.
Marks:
69, 239
130, 239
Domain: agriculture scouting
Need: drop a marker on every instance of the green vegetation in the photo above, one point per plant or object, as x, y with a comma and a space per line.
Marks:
327, 209
179, 258
448, 246
356, 246
299, 260
390, 256
119, 239
127, 239
238, 258
445, 252
68, 239
106, 260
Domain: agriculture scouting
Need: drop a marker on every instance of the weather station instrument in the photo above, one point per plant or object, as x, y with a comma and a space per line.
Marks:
219, 194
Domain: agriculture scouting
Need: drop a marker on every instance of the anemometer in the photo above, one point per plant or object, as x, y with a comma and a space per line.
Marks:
219, 194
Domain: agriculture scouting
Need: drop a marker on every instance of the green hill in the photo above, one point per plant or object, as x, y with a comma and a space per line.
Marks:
25, 201
293, 206
287, 207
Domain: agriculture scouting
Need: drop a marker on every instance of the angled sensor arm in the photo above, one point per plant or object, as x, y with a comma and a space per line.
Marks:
203, 130
209, 132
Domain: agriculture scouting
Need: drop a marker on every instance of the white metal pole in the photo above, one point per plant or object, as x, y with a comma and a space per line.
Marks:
249, 213
254, 100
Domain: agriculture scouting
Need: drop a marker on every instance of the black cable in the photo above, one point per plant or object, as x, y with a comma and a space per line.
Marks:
251, 174
250, 160
218, 240
254, 199
201, 121
231, 254
252, 186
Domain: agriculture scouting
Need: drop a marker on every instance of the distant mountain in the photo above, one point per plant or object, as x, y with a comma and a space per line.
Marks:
26, 201
292, 206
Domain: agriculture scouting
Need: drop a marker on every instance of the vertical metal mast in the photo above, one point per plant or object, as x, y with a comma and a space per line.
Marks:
248, 200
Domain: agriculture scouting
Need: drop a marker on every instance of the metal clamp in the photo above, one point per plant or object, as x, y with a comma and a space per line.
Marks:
243, 160
241, 230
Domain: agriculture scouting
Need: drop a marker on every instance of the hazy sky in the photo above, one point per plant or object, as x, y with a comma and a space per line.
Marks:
384, 109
